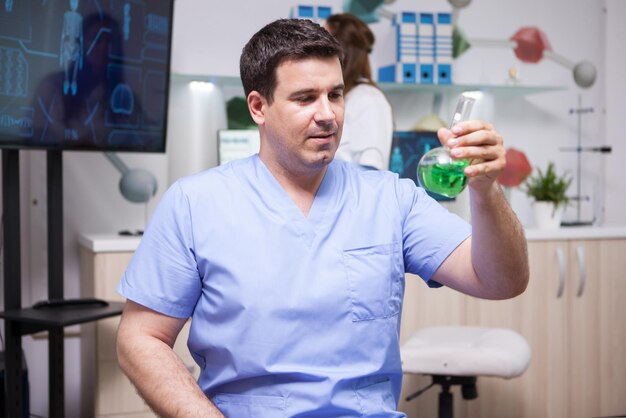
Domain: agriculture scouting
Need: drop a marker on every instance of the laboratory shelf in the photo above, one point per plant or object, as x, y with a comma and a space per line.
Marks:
499, 90
496, 89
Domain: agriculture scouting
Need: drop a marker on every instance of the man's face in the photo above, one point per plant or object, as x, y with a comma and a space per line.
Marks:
303, 124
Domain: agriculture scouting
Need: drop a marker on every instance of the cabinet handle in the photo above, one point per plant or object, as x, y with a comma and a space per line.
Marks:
582, 271
561, 258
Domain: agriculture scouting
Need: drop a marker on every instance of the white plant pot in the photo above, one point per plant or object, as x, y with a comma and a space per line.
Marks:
545, 215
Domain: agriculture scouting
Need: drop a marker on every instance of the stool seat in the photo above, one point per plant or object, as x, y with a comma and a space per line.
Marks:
465, 351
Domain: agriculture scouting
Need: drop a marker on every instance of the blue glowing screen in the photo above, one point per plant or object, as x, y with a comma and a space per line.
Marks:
407, 148
84, 74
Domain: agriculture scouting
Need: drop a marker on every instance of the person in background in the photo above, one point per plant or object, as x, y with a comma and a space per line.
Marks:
368, 122
291, 265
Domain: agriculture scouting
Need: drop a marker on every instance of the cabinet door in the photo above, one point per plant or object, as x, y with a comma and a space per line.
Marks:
612, 326
539, 315
582, 293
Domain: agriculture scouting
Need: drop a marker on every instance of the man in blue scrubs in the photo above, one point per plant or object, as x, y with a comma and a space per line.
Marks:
291, 265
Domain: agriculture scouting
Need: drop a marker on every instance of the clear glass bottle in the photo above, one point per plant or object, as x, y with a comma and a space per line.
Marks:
438, 171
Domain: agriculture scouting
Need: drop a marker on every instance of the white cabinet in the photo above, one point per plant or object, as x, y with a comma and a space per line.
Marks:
107, 391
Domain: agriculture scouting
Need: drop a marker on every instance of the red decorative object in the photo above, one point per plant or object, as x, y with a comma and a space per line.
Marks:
517, 169
531, 43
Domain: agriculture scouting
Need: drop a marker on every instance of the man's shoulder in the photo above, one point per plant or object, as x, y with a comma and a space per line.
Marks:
223, 171
220, 176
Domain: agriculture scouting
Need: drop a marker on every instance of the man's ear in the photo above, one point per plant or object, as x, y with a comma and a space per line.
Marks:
257, 105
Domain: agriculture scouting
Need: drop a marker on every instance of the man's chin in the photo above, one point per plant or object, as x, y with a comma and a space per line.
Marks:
328, 155
322, 158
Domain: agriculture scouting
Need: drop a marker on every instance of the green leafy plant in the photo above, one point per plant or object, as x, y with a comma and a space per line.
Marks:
549, 187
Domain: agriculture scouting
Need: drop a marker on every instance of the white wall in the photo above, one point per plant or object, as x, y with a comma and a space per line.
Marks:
615, 109
537, 124
208, 39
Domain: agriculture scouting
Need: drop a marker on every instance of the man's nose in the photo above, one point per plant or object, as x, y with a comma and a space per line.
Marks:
324, 112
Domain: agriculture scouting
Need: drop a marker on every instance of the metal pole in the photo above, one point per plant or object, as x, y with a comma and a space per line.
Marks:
12, 282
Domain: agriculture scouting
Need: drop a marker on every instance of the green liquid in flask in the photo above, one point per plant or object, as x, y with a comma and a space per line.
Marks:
437, 171
446, 179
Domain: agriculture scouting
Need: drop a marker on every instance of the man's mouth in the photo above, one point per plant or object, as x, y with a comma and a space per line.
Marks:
323, 135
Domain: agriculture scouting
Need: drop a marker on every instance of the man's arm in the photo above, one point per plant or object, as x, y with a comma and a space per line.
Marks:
144, 348
493, 262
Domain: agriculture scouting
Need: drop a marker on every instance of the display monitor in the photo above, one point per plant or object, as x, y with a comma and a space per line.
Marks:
233, 144
84, 75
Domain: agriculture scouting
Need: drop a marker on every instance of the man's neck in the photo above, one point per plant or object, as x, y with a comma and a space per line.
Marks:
300, 186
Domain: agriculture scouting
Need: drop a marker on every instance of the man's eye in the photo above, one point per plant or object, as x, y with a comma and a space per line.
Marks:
336, 95
304, 99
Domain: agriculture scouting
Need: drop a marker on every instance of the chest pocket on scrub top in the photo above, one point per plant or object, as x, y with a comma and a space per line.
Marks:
374, 281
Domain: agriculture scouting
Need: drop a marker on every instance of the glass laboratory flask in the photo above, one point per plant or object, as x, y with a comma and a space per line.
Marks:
437, 171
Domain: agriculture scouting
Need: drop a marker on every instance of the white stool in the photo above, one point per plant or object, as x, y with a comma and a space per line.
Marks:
456, 355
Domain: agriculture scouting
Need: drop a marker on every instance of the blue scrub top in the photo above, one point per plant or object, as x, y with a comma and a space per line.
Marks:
292, 315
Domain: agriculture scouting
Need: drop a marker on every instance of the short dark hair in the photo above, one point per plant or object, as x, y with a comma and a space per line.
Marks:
280, 41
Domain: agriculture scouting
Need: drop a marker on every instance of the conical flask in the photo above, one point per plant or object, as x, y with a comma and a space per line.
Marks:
438, 171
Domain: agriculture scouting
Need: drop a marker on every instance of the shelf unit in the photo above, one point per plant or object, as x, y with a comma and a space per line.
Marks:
496, 89
25, 321
499, 90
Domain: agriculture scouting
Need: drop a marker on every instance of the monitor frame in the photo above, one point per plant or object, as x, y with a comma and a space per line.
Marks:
150, 137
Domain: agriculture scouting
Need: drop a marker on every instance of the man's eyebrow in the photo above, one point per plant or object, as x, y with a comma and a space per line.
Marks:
304, 92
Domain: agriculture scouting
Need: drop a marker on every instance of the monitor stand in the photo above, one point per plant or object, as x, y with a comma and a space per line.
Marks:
55, 313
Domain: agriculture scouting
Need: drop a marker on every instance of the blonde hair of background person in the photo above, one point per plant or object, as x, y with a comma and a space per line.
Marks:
368, 125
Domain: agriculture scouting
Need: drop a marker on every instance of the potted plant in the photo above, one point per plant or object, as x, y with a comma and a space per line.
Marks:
549, 192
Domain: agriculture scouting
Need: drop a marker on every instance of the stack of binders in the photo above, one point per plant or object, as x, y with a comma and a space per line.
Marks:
423, 50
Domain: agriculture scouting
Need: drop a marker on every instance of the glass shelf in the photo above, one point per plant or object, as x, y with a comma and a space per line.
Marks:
499, 90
